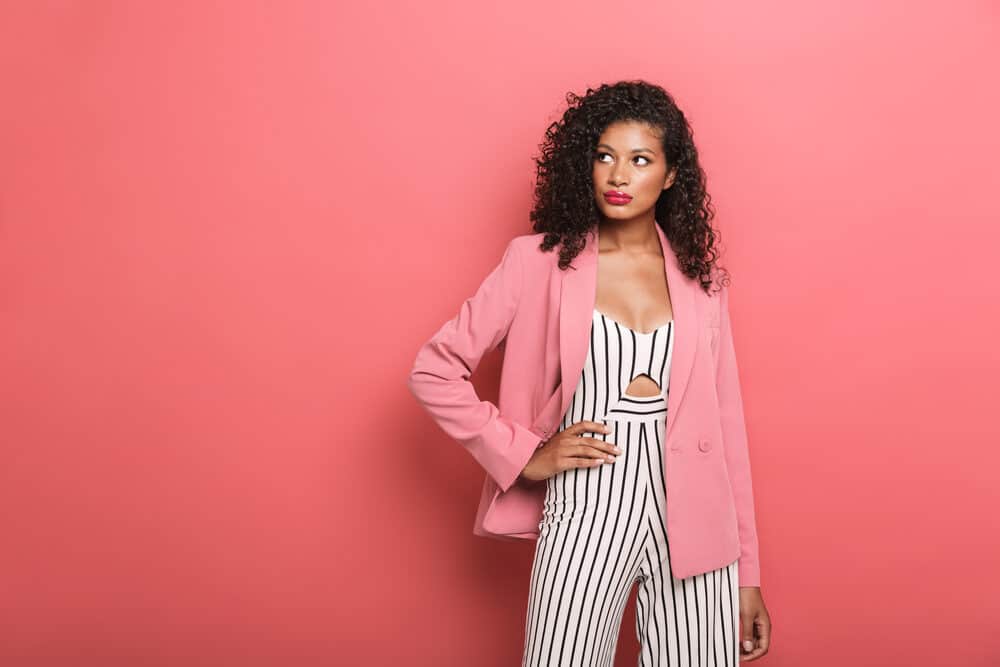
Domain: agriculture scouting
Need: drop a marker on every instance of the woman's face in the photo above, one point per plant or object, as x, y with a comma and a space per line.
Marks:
630, 170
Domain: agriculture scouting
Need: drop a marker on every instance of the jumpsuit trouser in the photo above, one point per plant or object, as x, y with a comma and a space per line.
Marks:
603, 530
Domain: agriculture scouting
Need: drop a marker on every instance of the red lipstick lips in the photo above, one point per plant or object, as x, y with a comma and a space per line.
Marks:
617, 197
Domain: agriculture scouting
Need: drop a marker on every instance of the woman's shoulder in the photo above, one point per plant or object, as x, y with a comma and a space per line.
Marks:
528, 248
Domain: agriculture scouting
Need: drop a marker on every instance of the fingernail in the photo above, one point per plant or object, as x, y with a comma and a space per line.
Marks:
611, 459
747, 645
618, 450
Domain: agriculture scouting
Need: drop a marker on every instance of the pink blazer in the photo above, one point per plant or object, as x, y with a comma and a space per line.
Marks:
542, 316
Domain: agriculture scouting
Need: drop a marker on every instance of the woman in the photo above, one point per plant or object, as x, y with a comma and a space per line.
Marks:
645, 438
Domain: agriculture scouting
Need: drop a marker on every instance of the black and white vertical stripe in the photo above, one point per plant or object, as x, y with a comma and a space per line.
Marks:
616, 355
604, 529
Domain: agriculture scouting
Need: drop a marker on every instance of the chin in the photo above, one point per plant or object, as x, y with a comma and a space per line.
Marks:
616, 212
621, 212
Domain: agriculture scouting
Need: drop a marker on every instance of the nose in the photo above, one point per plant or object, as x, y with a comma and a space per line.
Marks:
617, 176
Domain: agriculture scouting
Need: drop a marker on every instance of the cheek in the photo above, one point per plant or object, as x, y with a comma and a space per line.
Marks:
652, 184
597, 175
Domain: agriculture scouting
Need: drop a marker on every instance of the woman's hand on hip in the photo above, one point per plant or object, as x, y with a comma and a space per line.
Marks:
568, 449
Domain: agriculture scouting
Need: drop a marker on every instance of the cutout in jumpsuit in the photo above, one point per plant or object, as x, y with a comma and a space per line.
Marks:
603, 529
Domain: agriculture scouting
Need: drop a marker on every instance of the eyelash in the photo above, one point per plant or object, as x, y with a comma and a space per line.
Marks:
638, 157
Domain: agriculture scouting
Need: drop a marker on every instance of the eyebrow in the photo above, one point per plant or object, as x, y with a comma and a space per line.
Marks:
634, 150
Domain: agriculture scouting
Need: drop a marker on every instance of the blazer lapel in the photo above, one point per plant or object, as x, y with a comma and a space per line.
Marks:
578, 297
576, 307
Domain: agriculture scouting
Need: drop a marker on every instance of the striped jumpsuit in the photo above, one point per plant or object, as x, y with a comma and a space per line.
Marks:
603, 529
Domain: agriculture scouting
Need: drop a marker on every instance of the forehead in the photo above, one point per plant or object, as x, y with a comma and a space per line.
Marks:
629, 134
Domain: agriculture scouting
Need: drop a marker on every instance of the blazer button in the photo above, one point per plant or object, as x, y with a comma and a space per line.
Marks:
704, 445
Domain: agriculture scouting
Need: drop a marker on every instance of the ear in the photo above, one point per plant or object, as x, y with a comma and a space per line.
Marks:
670, 178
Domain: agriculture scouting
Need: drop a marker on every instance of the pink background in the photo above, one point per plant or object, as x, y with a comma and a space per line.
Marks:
225, 228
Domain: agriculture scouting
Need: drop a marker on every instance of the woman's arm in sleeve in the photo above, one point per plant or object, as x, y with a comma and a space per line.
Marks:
443, 365
734, 441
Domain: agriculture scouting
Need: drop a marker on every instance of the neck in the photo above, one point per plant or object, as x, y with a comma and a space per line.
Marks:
636, 235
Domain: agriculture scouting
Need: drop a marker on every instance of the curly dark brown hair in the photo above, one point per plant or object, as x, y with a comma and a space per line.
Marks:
564, 207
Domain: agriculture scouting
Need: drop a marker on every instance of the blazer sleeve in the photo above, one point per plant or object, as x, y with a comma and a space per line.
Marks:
734, 439
440, 376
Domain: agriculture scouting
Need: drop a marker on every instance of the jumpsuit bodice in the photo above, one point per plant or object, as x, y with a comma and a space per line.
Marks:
616, 355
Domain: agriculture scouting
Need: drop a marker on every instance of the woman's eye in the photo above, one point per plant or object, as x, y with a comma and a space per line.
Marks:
601, 156
639, 157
